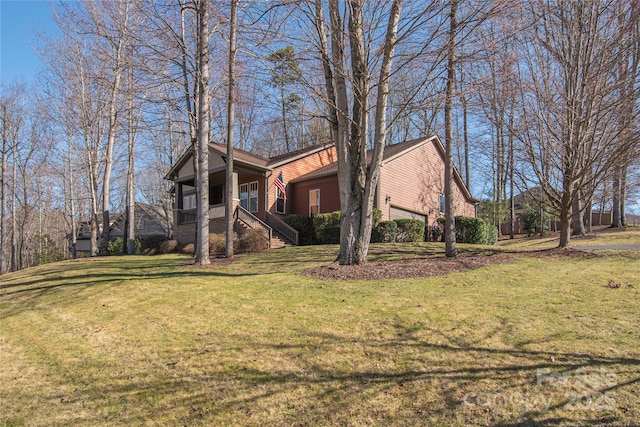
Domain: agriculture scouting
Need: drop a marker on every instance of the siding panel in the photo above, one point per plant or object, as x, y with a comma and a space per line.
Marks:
295, 169
414, 182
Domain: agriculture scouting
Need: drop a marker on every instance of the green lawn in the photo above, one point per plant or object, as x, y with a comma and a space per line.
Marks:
600, 236
147, 341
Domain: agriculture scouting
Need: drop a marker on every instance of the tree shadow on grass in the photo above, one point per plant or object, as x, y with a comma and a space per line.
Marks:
324, 378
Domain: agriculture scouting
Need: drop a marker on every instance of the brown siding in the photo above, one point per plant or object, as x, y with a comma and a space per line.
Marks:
295, 169
329, 195
414, 181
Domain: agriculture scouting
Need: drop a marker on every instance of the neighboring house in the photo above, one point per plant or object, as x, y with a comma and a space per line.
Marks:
150, 221
411, 185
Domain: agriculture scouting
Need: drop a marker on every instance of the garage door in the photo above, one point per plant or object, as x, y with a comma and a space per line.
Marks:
399, 213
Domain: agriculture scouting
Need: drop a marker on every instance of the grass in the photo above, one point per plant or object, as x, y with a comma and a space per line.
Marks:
146, 341
601, 236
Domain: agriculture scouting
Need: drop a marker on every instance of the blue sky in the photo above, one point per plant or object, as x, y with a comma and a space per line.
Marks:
19, 21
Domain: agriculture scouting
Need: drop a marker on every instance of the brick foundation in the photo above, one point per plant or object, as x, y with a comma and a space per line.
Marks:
186, 233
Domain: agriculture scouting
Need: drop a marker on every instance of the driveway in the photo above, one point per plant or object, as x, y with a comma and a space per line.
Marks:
608, 247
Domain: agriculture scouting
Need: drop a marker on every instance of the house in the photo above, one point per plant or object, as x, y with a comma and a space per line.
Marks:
411, 185
150, 221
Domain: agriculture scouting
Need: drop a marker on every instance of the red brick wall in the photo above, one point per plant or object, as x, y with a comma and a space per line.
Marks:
329, 196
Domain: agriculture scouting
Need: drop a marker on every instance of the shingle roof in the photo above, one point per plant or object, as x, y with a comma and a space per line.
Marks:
241, 155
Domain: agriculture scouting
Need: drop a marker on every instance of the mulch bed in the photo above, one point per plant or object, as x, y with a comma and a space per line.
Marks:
424, 266
216, 261
403, 269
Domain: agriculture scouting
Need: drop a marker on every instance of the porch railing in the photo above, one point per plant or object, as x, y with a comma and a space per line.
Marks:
283, 228
252, 221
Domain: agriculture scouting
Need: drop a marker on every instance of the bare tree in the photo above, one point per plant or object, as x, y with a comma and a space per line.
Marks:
449, 214
357, 179
12, 116
230, 130
202, 149
570, 109
628, 73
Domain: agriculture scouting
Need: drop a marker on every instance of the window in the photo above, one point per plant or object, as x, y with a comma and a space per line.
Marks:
249, 196
280, 201
442, 203
189, 201
314, 202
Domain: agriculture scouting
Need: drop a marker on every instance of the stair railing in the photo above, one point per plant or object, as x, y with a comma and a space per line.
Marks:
283, 228
252, 221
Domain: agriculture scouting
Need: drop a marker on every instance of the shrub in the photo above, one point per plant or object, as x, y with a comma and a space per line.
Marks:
384, 232
471, 230
115, 246
304, 226
189, 249
151, 245
492, 234
377, 216
409, 230
531, 220
327, 227
253, 240
218, 242
168, 246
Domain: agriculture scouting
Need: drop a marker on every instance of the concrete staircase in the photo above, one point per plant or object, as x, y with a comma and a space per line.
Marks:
278, 241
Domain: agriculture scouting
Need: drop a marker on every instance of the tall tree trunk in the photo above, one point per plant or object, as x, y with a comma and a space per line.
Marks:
111, 139
449, 215
130, 219
577, 219
72, 205
356, 181
283, 110
14, 220
565, 212
202, 170
228, 251
3, 188
616, 218
465, 121
623, 195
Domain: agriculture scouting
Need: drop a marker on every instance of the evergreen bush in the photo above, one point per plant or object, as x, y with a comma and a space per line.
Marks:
409, 230
327, 227
384, 232
304, 226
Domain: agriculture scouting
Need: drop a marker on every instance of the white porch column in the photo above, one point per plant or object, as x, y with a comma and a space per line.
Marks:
236, 191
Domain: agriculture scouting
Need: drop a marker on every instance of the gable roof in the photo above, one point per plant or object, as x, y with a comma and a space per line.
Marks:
248, 158
285, 158
239, 155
